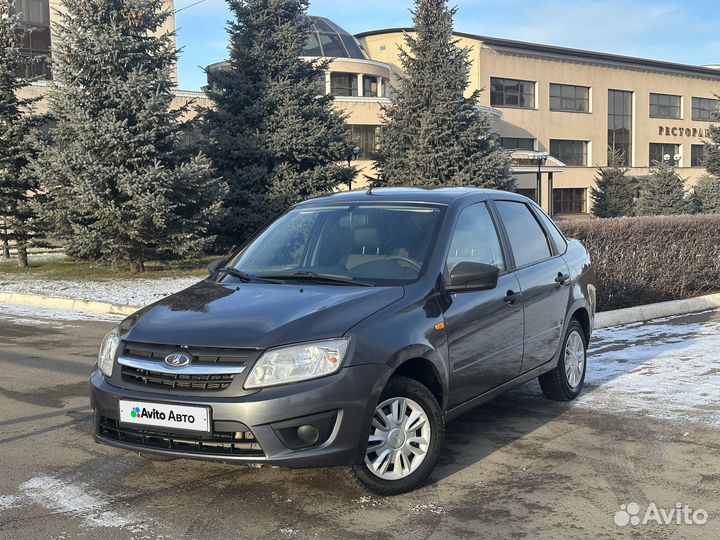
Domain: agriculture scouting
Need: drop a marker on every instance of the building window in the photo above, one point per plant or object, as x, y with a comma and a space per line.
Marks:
528, 192
343, 84
570, 201
34, 12
517, 143
370, 86
704, 109
366, 138
566, 97
664, 106
620, 124
658, 151
697, 155
35, 15
572, 153
512, 93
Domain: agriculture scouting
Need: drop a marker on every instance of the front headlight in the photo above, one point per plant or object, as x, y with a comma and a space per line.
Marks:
297, 363
108, 350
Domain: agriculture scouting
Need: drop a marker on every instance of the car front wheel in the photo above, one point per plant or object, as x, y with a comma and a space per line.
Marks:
406, 435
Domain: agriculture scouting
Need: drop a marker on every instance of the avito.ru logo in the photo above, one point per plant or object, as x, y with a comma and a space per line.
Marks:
154, 414
682, 514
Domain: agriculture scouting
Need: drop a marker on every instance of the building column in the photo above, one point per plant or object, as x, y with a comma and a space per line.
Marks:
328, 87
360, 84
381, 87
551, 197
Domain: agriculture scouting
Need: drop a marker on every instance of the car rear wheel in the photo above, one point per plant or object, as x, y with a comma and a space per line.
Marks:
565, 382
406, 435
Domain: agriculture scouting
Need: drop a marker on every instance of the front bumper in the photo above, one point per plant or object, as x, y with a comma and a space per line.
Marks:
345, 401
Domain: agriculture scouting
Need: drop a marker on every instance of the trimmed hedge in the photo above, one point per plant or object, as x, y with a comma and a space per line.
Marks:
650, 259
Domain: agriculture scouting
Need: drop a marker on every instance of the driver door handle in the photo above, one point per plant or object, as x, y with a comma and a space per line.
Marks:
561, 278
512, 297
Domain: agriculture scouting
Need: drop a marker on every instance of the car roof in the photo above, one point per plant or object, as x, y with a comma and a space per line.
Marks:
441, 195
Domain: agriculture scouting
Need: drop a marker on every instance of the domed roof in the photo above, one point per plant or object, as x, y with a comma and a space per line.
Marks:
328, 40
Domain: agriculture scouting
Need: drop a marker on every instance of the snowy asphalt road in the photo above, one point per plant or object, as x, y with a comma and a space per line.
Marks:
647, 429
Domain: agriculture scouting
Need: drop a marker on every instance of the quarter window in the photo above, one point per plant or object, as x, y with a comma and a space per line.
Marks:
512, 93
573, 153
475, 239
704, 109
555, 234
566, 97
527, 238
664, 106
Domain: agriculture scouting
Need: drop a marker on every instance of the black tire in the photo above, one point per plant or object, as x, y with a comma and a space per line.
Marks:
555, 384
403, 387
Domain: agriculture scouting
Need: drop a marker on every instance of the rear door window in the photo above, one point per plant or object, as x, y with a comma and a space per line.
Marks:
527, 238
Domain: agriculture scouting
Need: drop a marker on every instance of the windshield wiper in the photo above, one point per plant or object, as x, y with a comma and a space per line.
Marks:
314, 276
242, 276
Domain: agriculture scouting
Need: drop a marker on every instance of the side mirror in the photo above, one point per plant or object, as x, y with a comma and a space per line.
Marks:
213, 266
470, 276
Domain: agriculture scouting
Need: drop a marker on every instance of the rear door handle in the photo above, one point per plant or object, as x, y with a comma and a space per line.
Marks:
512, 297
561, 278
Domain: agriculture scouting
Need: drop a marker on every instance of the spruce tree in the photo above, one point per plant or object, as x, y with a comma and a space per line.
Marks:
272, 132
432, 134
614, 195
19, 138
663, 193
712, 147
121, 187
706, 195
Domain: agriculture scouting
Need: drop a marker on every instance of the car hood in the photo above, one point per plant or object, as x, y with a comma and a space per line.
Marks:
256, 315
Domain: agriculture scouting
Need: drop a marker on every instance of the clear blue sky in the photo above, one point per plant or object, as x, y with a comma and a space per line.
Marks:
679, 31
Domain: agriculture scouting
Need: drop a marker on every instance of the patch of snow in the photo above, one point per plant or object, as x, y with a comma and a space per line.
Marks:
62, 496
7, 501
422, 508
129, 292
668, 370
55, 318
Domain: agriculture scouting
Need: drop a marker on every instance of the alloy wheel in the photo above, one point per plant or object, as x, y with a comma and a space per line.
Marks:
574, 359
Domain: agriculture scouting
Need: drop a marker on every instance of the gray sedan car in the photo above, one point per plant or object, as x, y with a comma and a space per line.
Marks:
348, 331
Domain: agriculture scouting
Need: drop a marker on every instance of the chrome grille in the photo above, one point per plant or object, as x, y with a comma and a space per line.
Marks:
211, 369
178, 380
200, 355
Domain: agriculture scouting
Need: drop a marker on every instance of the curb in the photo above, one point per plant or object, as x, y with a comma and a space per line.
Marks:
648, 312
73, 304
604, 319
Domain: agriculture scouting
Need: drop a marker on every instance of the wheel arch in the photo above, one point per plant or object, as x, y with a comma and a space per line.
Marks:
582, 316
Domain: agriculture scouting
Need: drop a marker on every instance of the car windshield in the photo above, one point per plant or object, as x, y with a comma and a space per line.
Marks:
364, 244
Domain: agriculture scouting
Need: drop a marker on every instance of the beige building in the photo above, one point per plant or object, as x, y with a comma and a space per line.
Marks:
557, 109
574, 105
43, 17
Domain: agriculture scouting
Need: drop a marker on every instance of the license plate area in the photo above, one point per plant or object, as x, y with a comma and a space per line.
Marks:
167, 417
